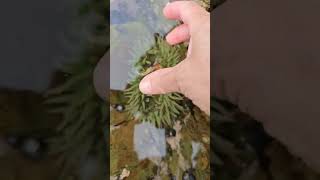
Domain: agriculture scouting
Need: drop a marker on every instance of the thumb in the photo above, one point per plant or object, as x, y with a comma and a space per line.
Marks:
160, 82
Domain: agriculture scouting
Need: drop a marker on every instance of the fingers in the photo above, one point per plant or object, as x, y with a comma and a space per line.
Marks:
178, 35
160, 82
187, 11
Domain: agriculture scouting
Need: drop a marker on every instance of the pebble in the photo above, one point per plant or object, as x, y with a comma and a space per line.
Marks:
32, 148
119, 107
170, 132
206, 139
188, 175
125, 173
12, 140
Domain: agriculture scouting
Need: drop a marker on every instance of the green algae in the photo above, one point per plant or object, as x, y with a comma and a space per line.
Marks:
186, 150
116, 98
124, 155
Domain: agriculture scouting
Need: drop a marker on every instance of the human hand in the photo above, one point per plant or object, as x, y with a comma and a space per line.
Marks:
191, 77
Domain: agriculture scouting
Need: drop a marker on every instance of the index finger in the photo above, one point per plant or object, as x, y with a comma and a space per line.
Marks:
188, 12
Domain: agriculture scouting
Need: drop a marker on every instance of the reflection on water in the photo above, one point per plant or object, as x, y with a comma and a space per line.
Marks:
133, 25
149, 141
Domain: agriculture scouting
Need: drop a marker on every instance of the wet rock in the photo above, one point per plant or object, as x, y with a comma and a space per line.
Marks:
206, 139
149, 141
170, 132
114, 177
125, 173
169, 150
119, 107
13, 141
32, 148
195, 149
172, 177
188, 175
174, 141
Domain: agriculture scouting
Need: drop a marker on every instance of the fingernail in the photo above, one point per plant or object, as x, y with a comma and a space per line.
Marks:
145, 86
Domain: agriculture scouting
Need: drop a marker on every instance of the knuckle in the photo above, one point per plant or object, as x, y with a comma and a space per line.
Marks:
191, 4
180, 74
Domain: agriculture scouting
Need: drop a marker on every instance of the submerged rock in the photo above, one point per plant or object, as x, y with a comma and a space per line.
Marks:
133, 24
149, 141
188, 175
32, 148
124, 174
119, 107
170, 132
195, 149
172, 177
13, 141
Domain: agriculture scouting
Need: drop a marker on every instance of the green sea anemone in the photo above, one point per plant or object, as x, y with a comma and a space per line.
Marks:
160, 110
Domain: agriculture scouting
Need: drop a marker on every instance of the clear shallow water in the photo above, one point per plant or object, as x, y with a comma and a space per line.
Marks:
141, 149
149, 141
133, 25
